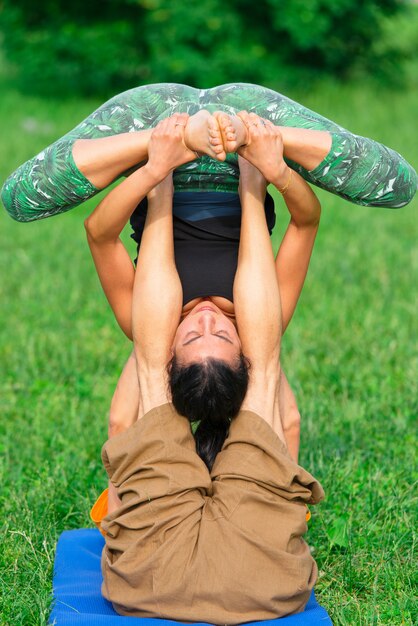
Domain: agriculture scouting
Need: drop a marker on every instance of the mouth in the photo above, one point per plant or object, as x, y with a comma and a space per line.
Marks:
206, 307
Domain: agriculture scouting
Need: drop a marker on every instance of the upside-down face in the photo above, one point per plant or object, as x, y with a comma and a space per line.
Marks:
206, 332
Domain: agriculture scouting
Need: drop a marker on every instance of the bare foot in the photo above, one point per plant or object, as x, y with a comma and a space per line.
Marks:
202, 135
233, 131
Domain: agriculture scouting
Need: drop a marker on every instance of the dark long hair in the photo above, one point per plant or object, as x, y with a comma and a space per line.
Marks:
209, 393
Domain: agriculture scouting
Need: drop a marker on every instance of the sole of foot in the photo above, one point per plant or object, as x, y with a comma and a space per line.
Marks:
233, 131
203, 135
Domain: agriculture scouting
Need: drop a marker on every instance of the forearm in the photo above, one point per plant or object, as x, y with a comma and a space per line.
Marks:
293, 257
157, 302
123, 413
257, 306
256, 296
124, 407
103, 160
301, 201
292, 264
116, 274
113, 212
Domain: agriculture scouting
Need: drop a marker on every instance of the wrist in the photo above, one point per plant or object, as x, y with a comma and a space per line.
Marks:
283, 179
152, 175
258, 192
281, 176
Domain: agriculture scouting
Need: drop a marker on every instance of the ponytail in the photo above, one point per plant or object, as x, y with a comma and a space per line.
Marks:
210, 394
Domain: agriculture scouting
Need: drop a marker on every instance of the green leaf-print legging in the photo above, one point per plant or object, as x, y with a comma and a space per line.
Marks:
358, 169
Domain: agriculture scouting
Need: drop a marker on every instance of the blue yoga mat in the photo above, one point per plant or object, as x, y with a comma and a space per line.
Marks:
78, 601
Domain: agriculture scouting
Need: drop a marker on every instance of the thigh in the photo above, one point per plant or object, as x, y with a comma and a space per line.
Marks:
357, 168
271, 105
136, 109
50, 183
254, 478
156, 472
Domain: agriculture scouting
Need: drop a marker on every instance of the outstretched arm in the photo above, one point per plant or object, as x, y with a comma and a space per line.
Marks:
157, 296
157, 299
256, 298
152, 292
292, 260
295, 251
104, 225
285, 418
294, 254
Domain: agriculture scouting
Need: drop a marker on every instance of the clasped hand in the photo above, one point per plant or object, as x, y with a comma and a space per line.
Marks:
255, 139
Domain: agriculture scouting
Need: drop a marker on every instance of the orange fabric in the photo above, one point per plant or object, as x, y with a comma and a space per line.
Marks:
99, 510
308, 515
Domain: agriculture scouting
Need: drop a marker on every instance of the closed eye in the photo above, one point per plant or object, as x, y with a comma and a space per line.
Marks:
186, 343
220, 335
223, 336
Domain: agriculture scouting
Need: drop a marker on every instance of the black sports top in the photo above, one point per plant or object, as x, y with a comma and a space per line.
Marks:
206, 228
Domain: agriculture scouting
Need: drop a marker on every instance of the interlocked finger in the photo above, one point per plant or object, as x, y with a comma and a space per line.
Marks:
245, 117
181, 119
269, 123
255, 119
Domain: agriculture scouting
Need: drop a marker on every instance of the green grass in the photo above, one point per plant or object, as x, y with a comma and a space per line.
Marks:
350, 355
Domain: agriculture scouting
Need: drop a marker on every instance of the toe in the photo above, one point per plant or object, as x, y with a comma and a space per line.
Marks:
213, 123
224, 121
215, 141
214, 132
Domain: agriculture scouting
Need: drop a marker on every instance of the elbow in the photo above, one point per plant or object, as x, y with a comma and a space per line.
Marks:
126, 326
315, 215
89, 228
92, 232
96, 234
309, 221
305, 213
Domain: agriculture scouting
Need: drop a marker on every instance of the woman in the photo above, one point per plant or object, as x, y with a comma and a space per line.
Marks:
185, 542
206, 258
325, 154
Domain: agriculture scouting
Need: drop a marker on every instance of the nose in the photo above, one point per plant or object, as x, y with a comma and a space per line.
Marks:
207, 321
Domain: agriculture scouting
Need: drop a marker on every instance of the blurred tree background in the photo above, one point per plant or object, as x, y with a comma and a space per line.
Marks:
98, 48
